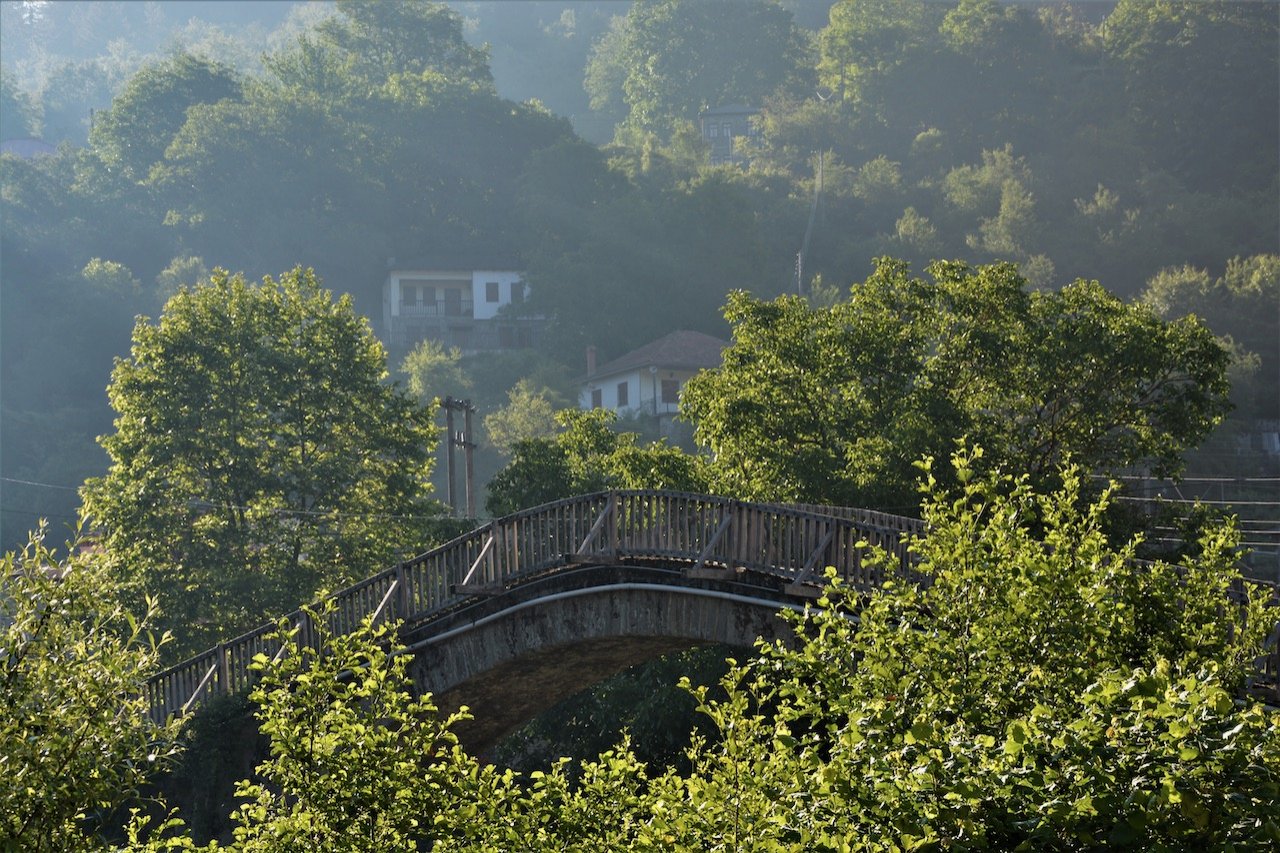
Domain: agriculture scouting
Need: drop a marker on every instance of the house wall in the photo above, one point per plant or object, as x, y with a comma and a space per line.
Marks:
456, 307
480, 280
643, 388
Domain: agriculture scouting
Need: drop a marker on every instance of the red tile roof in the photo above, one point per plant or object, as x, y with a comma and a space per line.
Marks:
682, 350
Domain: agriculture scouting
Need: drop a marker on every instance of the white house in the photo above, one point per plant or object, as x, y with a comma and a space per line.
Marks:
649, 380
459, 308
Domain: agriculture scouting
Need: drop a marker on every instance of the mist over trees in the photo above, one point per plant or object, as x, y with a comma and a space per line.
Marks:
1114, 142
1050, 228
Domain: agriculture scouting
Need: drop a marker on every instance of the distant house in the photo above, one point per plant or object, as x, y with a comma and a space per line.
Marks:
649, 380
458, 307
724, 127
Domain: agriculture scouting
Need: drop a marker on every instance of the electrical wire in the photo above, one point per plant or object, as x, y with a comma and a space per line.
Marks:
42, 485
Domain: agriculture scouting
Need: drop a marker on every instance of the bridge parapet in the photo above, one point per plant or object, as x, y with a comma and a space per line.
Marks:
701, 533
795, 543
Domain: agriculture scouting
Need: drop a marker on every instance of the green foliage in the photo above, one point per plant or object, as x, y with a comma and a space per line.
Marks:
71, 95
834, 403
152, 107
76, 741
673, 58
369, 42
433, 372
1158, 43
1027, 687
17, 116
1032, 688
357, 762
188, 271
865, 36
257, 456
529, 414
1238, 306
588, 456
110, 278
618, 266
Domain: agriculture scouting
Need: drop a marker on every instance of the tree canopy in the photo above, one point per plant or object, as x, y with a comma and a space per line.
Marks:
674, 58
76, 741
588, 456
833, 404
1027, 686
258, 454
152, 107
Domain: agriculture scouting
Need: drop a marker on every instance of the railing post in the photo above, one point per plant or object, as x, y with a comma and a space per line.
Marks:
402, 593
613, 526
224, 669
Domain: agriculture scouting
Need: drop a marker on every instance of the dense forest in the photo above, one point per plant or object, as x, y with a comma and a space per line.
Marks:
1132, 143
1040, 239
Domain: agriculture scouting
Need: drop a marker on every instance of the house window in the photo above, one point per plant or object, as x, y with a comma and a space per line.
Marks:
517, 292
597, 398
728, 129
670, 391
453, 303
491, 291
408, 294
714, 131
622, 395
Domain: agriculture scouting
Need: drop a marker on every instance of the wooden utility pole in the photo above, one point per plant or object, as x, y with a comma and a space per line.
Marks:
463, 440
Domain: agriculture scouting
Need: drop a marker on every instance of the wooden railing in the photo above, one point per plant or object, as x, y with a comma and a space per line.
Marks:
699, 531
794, 543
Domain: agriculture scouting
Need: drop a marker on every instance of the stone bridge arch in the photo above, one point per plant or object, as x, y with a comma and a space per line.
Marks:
621, 576
519, 653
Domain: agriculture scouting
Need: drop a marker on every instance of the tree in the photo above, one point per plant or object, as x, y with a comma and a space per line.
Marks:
258, 454
433, 372
152, 108
867, 36
70, 95
17, 118
834, 404
367, 43
357, 761
1027, 686
588, 456
529, 414
1239, 306
76, 740
1031, 688
1190, 68
674, 58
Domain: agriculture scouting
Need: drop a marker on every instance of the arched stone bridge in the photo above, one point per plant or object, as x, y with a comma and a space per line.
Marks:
531, 608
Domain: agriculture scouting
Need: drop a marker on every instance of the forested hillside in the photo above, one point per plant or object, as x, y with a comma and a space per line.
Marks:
1040, 239
1126, 142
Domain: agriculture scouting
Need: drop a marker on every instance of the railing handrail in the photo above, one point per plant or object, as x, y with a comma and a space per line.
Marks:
618, 523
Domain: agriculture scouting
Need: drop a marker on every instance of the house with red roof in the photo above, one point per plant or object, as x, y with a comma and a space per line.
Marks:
648, 380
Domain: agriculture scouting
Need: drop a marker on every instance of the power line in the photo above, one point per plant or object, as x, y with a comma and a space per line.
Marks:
197, 503
1139, 477
1206, 501
42, 485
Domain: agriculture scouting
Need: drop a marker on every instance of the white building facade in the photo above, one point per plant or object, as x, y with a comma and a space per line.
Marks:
458, 308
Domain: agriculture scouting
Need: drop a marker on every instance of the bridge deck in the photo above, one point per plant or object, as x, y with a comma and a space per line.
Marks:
703, 534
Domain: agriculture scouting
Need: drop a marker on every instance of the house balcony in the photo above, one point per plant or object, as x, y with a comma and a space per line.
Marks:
438, 308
